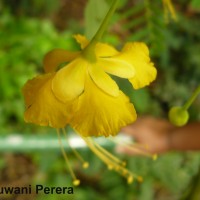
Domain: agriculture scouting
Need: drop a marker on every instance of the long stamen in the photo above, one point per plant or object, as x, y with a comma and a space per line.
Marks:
114, 158
136, 147
76, 181
111, 161
95, 150
119, 165
85, 164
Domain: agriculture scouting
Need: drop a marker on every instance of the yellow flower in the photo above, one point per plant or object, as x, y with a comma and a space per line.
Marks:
82, 93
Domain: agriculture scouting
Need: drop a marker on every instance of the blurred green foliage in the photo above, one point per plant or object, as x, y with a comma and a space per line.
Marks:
23, 44
195, 4
28, 32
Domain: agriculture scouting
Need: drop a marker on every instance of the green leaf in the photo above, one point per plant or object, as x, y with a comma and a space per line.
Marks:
141, 99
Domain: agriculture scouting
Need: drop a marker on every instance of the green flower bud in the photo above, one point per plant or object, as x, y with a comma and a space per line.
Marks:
178, 116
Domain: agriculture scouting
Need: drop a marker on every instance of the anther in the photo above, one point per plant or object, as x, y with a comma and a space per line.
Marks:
85, 165
76, 153
130, 179
140, 179
155, 156
124, 172
76, 182
110, 167
124, 164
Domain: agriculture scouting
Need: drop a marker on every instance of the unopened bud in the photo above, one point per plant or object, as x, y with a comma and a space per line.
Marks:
178, 116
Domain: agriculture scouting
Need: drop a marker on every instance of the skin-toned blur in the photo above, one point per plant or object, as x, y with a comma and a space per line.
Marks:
160, 136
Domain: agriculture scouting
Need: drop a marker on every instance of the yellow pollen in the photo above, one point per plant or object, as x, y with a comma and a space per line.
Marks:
76, 182
140, 179
130, 179
155, 156
85, 165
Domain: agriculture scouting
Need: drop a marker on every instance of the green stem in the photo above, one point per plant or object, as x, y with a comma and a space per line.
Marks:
192, 98
105, 22
97, 37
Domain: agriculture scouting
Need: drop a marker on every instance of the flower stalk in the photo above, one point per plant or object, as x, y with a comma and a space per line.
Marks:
179, 115
97, 37
192, 98
88, 52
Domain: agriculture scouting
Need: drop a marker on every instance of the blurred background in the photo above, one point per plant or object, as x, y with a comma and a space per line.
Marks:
29, 29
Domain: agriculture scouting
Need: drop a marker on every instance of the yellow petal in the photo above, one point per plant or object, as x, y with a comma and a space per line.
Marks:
42, 107
54, 58
117, 67
137, 54
68, 82
102, 80
101, 49
82, 40
99, 114
105, 50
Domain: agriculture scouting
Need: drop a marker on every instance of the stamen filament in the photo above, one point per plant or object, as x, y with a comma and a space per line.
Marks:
76, 181
85, 164
133, 147
111, 161
88, 52
95, 150
145, 146
114, 158
105, 22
